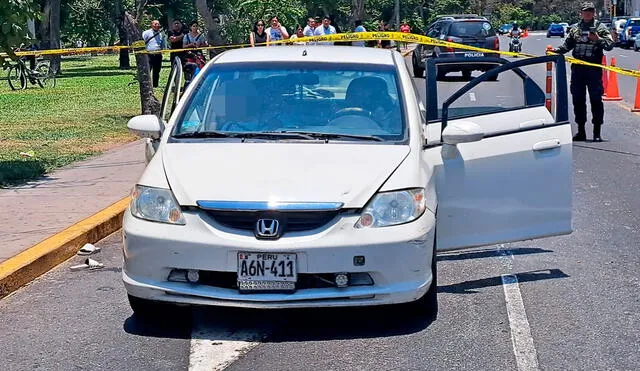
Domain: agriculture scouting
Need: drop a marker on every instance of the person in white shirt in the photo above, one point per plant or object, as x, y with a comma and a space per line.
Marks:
311, 25
325, 29
277, 31
154, 42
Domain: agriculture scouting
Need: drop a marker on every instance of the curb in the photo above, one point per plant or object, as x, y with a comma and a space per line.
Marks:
28, 265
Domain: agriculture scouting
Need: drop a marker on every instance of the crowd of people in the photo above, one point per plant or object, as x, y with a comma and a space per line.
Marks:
262, 35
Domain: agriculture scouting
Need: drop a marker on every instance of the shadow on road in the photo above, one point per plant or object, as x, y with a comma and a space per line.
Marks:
492, 253
471, 287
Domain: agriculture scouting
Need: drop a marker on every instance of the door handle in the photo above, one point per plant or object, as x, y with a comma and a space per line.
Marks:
547, 144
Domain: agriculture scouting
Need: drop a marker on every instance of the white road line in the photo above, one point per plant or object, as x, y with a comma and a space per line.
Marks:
523, 347
521, 338
216, 347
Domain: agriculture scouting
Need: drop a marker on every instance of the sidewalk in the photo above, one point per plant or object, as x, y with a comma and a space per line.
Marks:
39, 209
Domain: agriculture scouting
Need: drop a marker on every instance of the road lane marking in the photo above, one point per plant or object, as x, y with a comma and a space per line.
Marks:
523, 347
215, 346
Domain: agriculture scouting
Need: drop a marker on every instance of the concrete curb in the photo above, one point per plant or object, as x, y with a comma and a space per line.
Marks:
23, 268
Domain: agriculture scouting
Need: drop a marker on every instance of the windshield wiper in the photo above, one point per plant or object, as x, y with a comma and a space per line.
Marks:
327, 136
243, 135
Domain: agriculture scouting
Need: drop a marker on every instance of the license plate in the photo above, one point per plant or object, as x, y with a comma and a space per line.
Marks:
473, 55
267, 271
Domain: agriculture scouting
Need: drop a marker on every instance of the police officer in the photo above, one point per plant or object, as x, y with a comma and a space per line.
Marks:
587, 39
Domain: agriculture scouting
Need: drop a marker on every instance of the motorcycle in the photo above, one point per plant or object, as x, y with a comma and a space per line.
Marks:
515, 45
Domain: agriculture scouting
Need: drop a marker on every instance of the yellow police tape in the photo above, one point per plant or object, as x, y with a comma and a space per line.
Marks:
138, 47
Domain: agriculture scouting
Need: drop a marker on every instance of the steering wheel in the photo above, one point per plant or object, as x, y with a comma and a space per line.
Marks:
351, 111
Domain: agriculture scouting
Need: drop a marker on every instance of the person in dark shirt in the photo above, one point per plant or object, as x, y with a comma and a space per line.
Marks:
176, 35
588, 39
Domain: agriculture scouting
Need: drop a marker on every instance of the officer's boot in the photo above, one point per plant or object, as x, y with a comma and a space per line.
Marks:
581, 136
596, 133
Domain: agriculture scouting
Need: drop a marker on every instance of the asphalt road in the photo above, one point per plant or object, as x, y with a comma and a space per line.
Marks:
580, 293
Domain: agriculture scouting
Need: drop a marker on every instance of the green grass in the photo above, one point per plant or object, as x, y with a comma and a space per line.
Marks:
84, 115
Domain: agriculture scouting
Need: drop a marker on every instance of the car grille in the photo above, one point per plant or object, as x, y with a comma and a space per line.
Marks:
291, 221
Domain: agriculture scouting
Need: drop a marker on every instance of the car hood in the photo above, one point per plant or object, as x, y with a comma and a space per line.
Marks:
283, 172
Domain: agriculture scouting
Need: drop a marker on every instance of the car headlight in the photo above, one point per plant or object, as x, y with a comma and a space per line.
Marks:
392, 208
156, 205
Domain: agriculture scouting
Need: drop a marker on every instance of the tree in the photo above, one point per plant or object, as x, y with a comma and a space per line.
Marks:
50, 31
149, 103
14, 15
357, 11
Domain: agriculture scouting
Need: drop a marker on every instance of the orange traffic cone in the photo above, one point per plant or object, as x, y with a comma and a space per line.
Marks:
605, 79
612, 93
636, 106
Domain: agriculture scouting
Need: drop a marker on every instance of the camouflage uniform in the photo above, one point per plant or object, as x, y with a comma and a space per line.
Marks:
585, 78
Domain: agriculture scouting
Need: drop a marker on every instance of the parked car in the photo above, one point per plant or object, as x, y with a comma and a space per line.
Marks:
504, 29
555, 29
473, 31
328, 190
629, 33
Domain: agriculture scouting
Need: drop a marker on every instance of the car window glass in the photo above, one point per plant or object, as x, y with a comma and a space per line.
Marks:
471, 29
634, 22
347, 99
505, 94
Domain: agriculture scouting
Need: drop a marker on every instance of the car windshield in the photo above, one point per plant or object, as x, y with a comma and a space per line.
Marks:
471, 29
557, 27
633, 22
319, 98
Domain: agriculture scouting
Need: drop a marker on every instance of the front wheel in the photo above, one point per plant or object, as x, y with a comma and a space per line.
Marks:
46, 77
16, 79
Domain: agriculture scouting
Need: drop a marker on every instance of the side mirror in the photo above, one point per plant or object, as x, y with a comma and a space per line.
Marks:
462, 132
145, 126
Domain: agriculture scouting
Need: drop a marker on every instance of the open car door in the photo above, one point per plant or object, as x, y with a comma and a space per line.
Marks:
503, 162
170, 98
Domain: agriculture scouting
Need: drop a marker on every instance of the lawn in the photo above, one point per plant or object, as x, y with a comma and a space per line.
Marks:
84, 115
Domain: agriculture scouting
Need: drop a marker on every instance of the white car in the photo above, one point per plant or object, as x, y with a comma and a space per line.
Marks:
311, 176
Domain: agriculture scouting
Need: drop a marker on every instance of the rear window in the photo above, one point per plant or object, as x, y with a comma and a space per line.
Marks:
471, 29
557, 27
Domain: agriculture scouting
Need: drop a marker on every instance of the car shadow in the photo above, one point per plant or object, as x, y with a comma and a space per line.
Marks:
280, 325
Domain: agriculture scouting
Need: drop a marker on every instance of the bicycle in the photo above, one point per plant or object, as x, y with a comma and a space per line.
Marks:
19, 74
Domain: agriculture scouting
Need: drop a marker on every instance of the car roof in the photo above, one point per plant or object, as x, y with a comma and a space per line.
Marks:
309, 53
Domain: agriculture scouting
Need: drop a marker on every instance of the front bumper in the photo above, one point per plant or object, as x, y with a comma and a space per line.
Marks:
398, 259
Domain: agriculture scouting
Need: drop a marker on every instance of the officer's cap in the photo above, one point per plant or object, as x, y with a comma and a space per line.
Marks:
588, 5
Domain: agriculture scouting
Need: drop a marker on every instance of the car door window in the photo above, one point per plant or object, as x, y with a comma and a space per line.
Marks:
172, 92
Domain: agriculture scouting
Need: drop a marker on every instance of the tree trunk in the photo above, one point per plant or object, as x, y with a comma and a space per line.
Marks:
357, 12
50, 31
213, 27
118, 19
150, 105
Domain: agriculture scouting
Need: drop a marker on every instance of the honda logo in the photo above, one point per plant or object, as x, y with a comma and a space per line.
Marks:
268, 228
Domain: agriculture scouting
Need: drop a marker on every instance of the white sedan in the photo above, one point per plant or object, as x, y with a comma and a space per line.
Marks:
313, 176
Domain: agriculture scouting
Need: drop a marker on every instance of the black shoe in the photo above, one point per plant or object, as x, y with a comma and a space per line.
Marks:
596, 134
580, 137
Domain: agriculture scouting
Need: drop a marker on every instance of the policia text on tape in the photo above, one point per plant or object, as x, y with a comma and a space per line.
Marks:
138, 47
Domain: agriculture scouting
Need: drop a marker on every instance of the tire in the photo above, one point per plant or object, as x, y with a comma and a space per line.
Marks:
16, 79
417, 70
427, 305
155, 310
635, 48
46, 77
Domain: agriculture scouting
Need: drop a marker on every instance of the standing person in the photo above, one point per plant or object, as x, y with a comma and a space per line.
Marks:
325, 29
383, 27
259, 36
588, 39
195, 59
277, 31
154, 42
359, 28
175, 40
405, 28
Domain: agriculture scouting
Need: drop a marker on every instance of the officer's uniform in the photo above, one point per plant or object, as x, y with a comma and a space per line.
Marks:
585, 78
